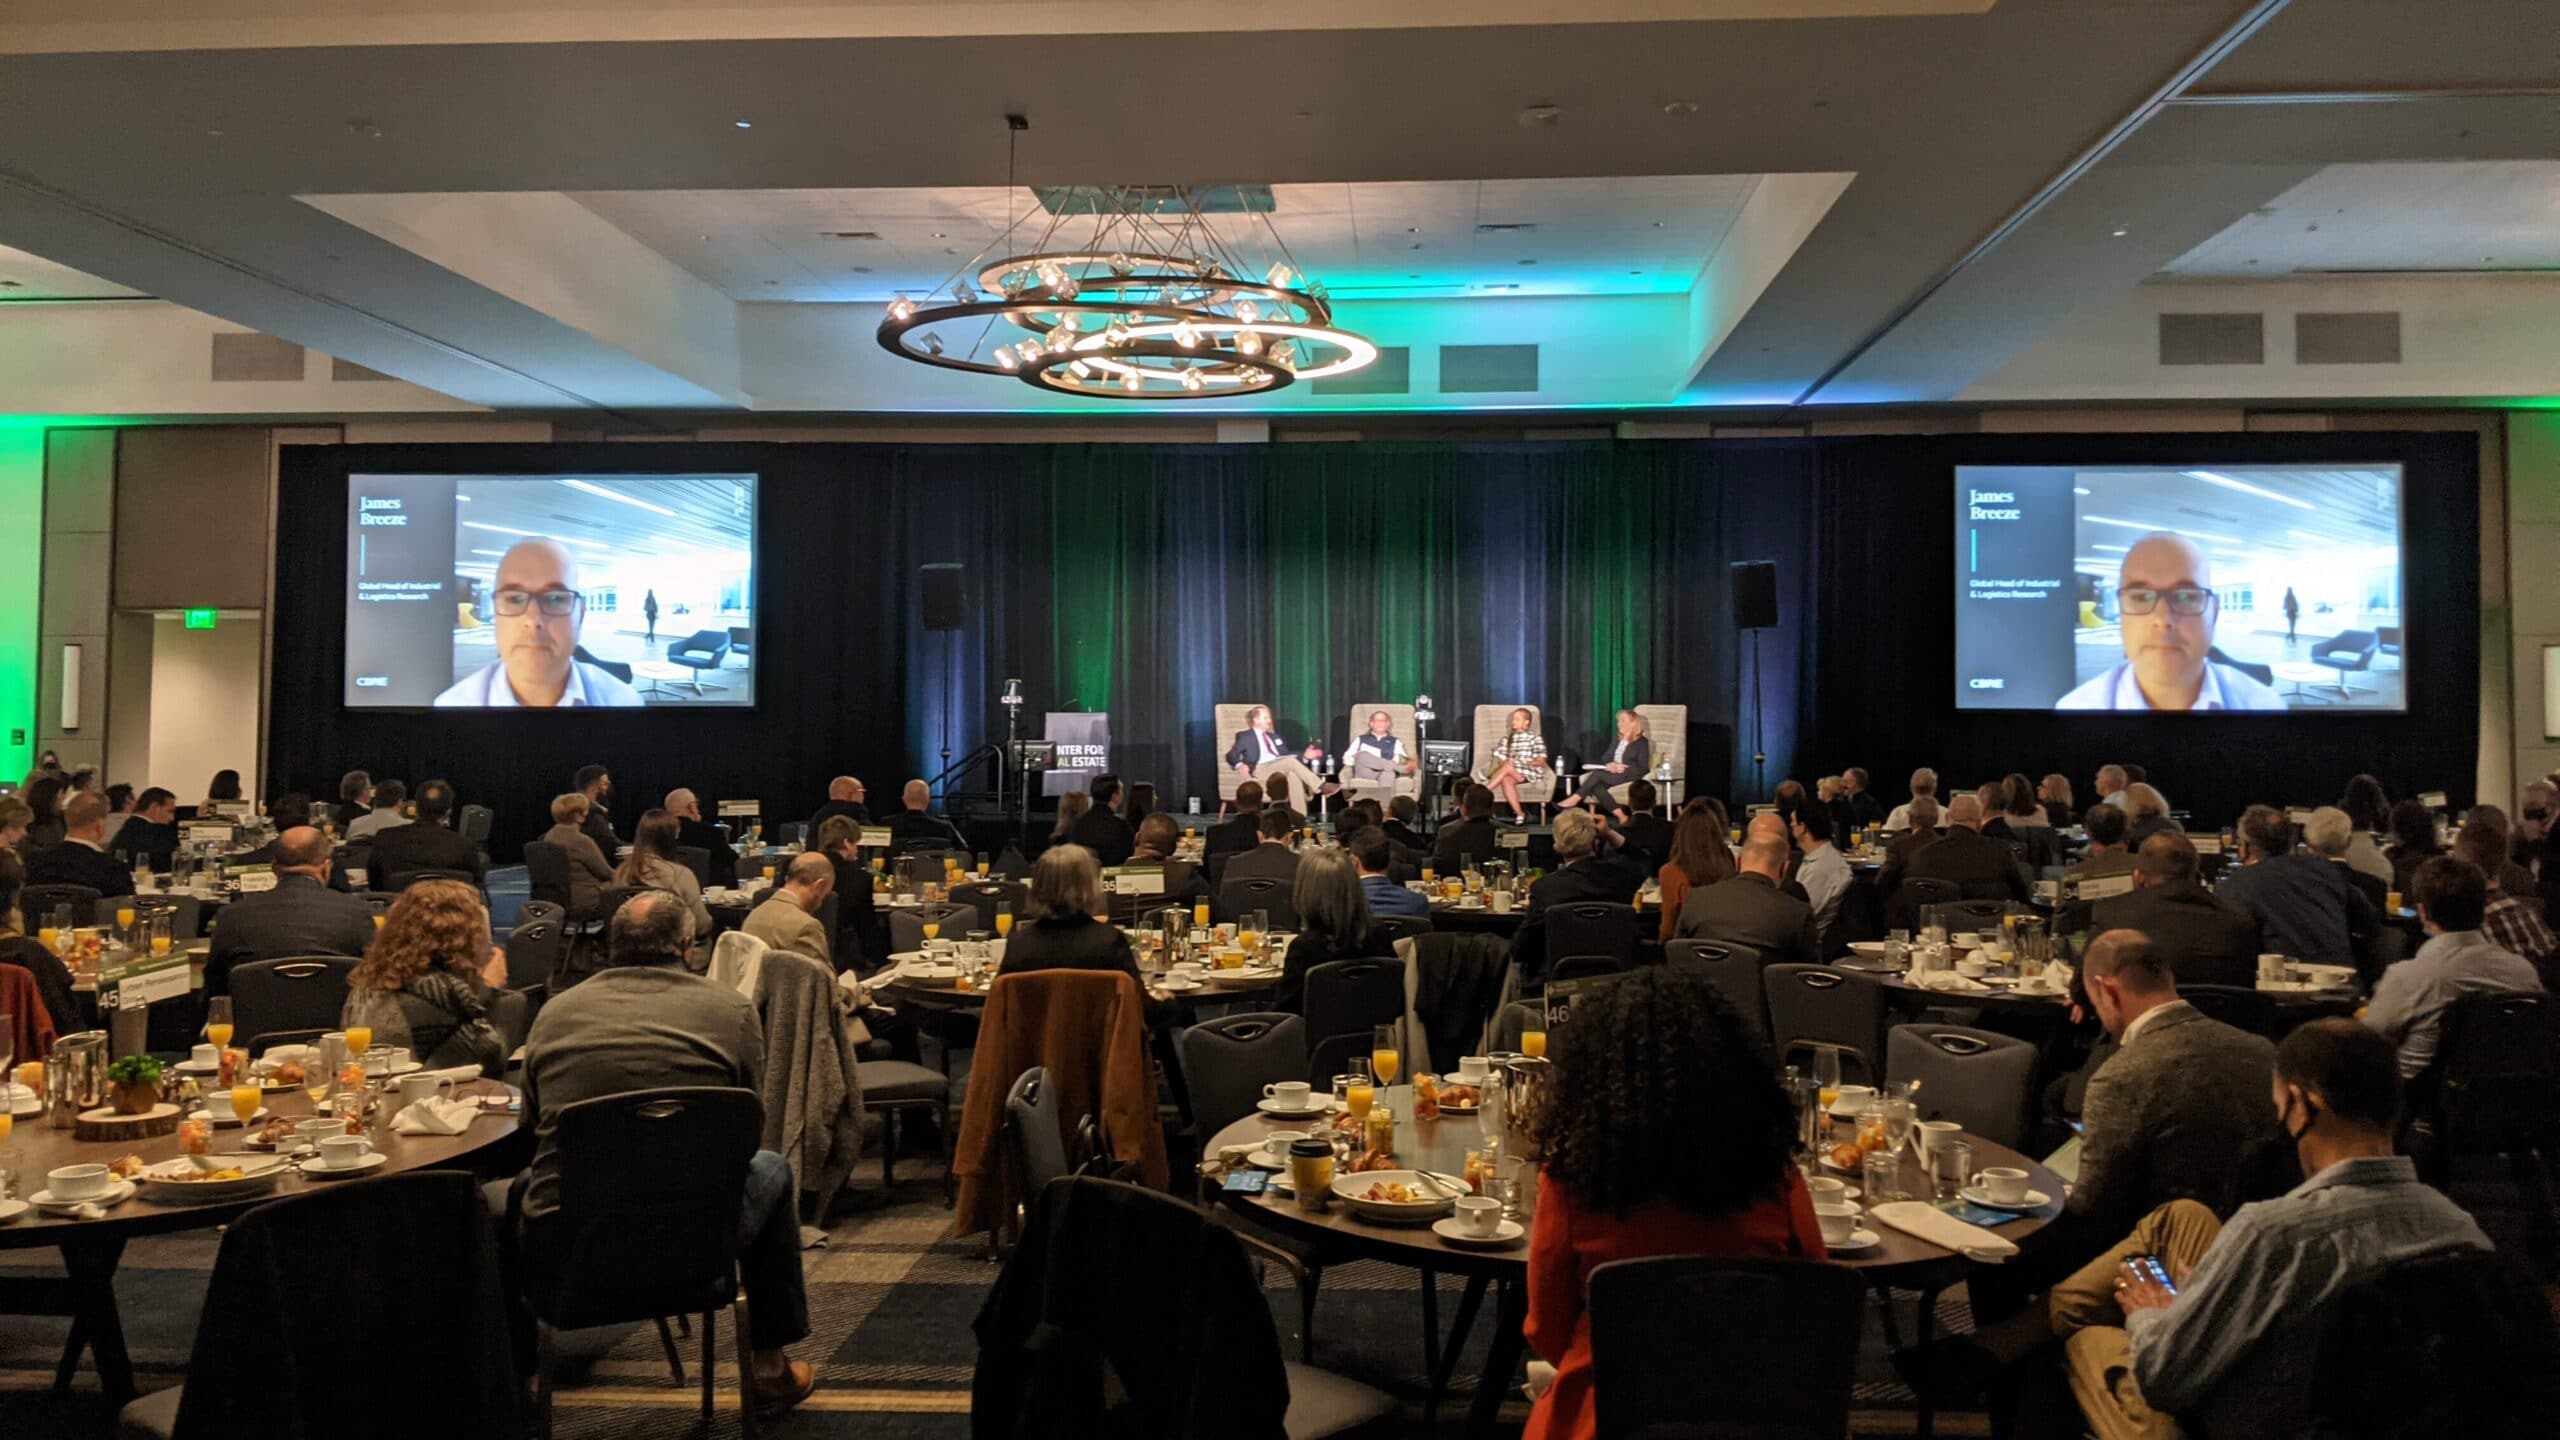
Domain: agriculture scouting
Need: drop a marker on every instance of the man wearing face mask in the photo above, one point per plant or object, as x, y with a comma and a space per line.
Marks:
2229, 1339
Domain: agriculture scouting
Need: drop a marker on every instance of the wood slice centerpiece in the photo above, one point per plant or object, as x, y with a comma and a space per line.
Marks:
104, 1123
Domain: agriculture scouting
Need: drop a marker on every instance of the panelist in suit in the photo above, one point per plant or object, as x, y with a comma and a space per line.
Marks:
1258, 754
1983, 867
1750, 909
2206, 941
426, 843
1379, 757
1630, 756
1471, 838
301, 916
80, 857
1519, 758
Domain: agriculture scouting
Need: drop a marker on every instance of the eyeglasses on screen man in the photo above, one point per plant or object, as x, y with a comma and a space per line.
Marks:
556, 604
2185, 600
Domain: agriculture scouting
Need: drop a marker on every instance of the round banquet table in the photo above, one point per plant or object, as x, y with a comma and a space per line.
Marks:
1899, 1261
966, 999
91, 1249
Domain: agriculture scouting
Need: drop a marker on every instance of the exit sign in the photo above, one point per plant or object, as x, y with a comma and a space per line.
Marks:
201, 619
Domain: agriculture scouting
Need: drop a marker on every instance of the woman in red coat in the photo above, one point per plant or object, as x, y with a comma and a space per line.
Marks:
1666, 1134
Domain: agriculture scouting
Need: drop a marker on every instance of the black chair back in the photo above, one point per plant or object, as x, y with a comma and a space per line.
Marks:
36, 904
1961, 915
1228, 1060
2498, 1073
2455, 1343
473, 824
1241, 895
1650, 1317
1334, 1056
650, 1186
697, 859
1039, 1145
1734, 969
304, 993
1400, 927
546, 873
532, 910
1817, 1007
2250, 1010
402, 880
1348, 997
1583, 967
1981, 1080
985, 895
906, 927
533, 952
1592, 927
1918, 890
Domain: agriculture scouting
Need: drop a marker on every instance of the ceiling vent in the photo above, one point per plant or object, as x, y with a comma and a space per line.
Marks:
1390, 374
849, 234
2213, 339
1486, 369
1504, 227
255, 357
2347, 337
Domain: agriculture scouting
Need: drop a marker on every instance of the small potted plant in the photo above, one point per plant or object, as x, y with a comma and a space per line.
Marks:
133, 1084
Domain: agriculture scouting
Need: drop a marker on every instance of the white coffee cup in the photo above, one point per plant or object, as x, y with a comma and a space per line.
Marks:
1292, 1094
1480, 1214
343, 1152
2270, 967
1853, 1098
1501, 900
1931, 1135
399, 1057
2003, 1183
1827, 1191
1971, 969
1839, 1221
311, 1132
205, 1057
1277, 1143
79, 1182
1473, 1068
422, 1086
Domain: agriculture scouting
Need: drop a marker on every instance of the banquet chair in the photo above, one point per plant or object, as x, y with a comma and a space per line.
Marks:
1575, 968
896, 1087
1516, 1019
1733, 969
1228, 722
402, 880
2494, 1087
1400, 927
697, 859
474, 825
298, 993
1352, 997
1403, 728
1492, 722
2459, 1342
985, 895
546, 873
1245, 894
1592, 927
2240, 1007
1819, 1007
651, 1185
289, 1374
533, 952
906, 927
1228, 1060
36, 903
1652, 1318
1981, 1080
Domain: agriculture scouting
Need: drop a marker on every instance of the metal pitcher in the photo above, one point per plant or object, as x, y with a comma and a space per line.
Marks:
1524, 1101
75, 1075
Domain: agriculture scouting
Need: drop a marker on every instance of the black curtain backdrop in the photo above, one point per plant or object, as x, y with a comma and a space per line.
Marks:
1155, 582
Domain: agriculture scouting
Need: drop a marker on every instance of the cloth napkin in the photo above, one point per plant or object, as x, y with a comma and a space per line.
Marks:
1946, 980
436, 1117
1928, 1222
458, 1074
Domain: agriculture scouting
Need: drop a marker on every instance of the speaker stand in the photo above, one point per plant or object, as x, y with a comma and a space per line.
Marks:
1759, 749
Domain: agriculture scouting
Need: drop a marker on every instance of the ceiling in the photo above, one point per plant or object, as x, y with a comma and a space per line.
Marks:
25, 277
1625, 235
1986, 172
714, 517
2333, 511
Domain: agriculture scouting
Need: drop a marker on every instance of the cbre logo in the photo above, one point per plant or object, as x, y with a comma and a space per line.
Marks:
1987, 682
373, 682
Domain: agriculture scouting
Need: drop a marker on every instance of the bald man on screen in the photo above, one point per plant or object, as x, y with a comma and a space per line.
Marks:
2164, 591
540, 611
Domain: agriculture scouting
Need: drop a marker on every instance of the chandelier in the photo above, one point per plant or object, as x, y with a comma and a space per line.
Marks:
1132, 293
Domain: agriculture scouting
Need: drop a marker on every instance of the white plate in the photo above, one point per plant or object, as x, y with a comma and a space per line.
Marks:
318, 1171
1238, 978
12, 1209
2295, 987
1861, 1238
189, 1067
1260, 1159
1436, 1201
1176, 984
117, 1194
2036, 1200
414, 1064
1847, 1192
168, 1188
223, 1118
1316, 1105
1455, 1231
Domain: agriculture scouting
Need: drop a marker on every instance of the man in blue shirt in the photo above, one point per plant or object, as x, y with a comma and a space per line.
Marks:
2412, 998
1386, 897
2229, 1340
2306, 907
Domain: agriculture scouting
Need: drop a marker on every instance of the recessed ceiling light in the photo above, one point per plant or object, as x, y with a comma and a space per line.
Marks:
1539, 117
2121, 231
745, 124
938, 235
1528, 262
1657, 224
216, 134
1413, 229
861, 269
1680, 107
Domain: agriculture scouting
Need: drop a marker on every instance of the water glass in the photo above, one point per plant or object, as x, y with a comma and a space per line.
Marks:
1953, 1168
12, 1175
1883, 1177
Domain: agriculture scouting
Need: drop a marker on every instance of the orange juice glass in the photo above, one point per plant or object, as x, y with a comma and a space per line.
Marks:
245, 1100
7, 1122
359, 1040
1533, 1043
1004, 923
1359, 1096
1200, 913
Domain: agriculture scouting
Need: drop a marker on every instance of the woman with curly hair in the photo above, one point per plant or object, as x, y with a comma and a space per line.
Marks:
425, 980
1664, 1133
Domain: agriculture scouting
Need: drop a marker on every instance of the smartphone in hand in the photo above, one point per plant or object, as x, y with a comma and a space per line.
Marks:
2150, 1267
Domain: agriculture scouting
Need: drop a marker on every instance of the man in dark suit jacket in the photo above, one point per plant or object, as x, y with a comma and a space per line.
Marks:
1648, 834
694, 831
80, 857
1749, 909
1864, 809
914, 828
425, 843
2201, 939
1898, 851
1592, 865
1984, 868
1102, 831
1473, 837
148, 836
1401, 813
1271, 859
844, 797
1234, 835
596, 783
301, 916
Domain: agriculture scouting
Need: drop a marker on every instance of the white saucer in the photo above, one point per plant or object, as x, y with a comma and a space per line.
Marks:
1277, 1110
1848, 1192
23, 1100
2036, 1200
12, 1209
189, 1067
1455, 1231
1176, 984
318, 1171
225, 1120
117, 1194
1260, 1159
1861, 1238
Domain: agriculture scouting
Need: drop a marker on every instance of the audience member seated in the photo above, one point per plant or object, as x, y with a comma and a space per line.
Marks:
1276, 858
2022, 819
1820, 870
1474, 837
2411, 998
2331, 835
2053, 794
424, 982
860, 946
301, 916
1924, 786
1240, 831
1376, 854
45, 797
1590, 865
1626, 1175
2513, 922
1860, 802
16, 815
2306, 908
588, 872
2228, 1351
149, 836
1159, 836
695, 833
1648, 834
1402, 812
1334, 923
1101, 830
2506, 874
2204, 940
1699, 858
386, 814
2368, 810
429, 843
1066, 893
1982, 867
53, 978
1749, 909
2109, 782
2108, 854
2146, 813
844, 797
222, 789
2413, 843
654, 865
355, 798
643, 1023
915, 828
596, 783
80, 857
1924, 817
788, 918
